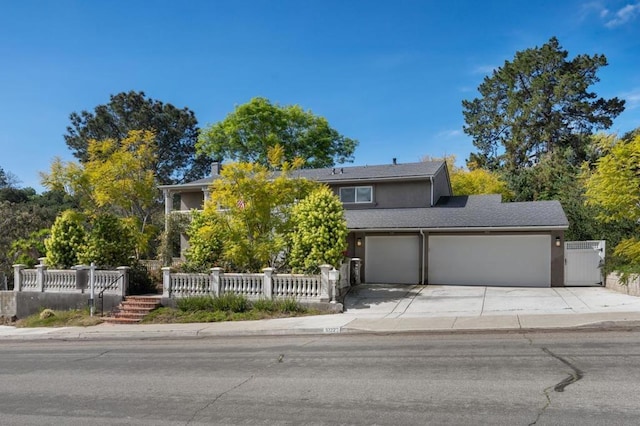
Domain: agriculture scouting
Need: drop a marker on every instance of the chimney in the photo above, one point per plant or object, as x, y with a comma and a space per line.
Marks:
215, 168
395, 161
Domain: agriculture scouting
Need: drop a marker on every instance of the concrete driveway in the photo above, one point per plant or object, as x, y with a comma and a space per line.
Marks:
418, 301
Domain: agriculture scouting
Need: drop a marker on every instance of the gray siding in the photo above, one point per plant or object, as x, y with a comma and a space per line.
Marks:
393, 195
191, 200
441, 184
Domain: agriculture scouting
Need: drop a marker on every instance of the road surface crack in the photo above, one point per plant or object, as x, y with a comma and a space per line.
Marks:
214, 400
92, 357
573, 377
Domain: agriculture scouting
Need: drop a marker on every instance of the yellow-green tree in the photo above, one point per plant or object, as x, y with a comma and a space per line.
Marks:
614, 187
475, 181
320, 233
478, 181
251, 206
117, 178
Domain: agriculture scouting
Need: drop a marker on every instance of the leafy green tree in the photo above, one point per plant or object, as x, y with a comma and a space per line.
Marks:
536, 104
175, 130
614, 187
17, 222
26, 251
7, 179
320, 231
249, 214
117, 177
109, 243
67, 240
246, 135
206, 234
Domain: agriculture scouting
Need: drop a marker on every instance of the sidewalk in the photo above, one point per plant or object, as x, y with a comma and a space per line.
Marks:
389, 308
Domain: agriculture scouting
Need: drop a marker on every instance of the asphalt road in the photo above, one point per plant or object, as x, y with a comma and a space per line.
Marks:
498, 379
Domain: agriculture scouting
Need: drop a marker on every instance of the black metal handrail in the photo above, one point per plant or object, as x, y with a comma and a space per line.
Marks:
107, 287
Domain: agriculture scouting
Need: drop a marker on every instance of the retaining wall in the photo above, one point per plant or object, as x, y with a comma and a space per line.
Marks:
613, 282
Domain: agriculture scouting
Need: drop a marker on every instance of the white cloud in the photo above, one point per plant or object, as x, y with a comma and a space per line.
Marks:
624, 15
632, 98
591, 8
484, 69
448, 134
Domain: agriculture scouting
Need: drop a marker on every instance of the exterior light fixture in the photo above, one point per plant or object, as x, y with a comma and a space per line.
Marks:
558, 242
359, 242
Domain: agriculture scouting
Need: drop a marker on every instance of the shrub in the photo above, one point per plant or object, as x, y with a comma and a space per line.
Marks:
231, 302
109, 244
140, 280
67, 240
228, 302
205, 247
195, 303
320, 235
290, 306
264, 305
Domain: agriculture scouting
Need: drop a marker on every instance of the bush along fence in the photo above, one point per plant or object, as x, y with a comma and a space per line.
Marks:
324, 287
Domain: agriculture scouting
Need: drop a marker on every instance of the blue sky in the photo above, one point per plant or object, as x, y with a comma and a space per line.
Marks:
391, 74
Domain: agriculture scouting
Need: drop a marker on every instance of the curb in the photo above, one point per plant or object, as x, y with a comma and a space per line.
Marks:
598, 326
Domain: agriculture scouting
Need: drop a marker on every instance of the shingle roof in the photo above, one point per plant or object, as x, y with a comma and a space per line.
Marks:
476, 211
406, 171
423, 169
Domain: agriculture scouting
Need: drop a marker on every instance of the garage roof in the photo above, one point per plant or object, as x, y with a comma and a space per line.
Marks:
463, 213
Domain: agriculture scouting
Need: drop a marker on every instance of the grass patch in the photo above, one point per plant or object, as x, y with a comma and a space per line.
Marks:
229, 307
51, 318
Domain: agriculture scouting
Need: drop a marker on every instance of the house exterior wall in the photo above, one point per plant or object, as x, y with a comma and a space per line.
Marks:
191, 200
556, 262
441, 185
392, 194
557, 259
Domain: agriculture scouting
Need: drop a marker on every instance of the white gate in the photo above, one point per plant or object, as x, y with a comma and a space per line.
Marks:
583, 261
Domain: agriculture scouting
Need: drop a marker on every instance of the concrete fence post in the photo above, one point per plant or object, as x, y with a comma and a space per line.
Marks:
124, 288
267, 283
41, 270
166, 282
334, 276
215, 280
17, 277
324, 282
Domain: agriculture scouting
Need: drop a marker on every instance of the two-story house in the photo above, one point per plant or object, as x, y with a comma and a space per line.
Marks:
407, 227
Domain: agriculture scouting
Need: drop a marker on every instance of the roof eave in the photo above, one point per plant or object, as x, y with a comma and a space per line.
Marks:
468, 229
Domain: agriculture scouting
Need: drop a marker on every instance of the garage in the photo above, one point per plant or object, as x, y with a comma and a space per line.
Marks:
393, 259
496, 260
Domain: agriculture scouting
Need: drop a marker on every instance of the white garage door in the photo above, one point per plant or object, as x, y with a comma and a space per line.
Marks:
502, 260
392, 259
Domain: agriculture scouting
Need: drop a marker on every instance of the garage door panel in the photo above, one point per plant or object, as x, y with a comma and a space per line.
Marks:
392, 259
503, 260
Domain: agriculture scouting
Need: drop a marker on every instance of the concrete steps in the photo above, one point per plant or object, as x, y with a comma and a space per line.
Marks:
133, 309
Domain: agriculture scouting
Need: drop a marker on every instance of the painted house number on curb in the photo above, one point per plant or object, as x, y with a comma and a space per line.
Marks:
332, 329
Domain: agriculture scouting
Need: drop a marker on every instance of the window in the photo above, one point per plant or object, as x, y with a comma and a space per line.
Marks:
356, 194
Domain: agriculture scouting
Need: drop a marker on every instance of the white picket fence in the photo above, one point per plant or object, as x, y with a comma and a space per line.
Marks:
320, 288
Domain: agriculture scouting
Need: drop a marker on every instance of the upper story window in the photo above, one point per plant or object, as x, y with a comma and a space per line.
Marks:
356, 194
